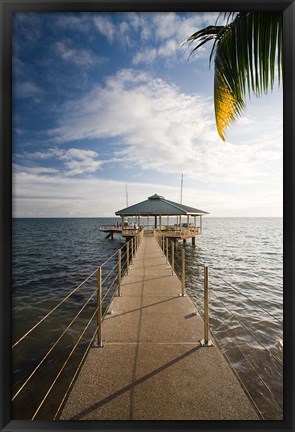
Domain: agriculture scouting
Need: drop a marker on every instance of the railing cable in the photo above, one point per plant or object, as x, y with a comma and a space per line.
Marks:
110, 287
52, 310
109, 273
108, 306
249, 331
244, 295
201, 265
75, 374
112, 256
53, 346
64, 365
250, 364
237, 375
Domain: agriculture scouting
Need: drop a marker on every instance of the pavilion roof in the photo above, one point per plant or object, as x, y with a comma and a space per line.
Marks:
157, 205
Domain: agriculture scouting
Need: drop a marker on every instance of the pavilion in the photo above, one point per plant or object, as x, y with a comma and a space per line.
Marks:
173, 220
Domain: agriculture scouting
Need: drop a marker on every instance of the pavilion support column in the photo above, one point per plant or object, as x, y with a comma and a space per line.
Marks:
168, 220
155, 222
188, 222
194, 241
160, 221
201, 225
195, 223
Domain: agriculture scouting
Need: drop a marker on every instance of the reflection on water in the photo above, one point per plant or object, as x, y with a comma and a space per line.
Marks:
52, 256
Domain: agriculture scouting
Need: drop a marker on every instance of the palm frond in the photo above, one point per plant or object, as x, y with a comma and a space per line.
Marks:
246, 53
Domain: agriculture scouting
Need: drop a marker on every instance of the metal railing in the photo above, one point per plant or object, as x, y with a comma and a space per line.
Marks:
108, 284
178, 259
113, 227
99, 297
178, 266
171, 230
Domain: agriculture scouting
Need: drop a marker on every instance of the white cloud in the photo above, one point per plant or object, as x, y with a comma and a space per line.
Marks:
169, 48
79, 56
37, 171
60, 196
158, 127
105, 26
148, 124
146, 56
80, 161
76, 161
169, 30
27, 89
119, 33
81, 23
36, 194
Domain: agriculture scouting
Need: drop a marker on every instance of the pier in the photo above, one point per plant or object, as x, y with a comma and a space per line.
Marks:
157, 213
151, 365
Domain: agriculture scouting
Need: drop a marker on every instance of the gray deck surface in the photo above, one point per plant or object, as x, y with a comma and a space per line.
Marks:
152, 366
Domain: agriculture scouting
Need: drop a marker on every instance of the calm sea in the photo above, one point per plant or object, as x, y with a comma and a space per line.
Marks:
52, 256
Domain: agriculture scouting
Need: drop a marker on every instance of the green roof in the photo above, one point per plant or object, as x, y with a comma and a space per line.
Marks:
157, 205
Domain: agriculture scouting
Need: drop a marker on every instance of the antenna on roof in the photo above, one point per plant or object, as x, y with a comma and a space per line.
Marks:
181, 188
126, 195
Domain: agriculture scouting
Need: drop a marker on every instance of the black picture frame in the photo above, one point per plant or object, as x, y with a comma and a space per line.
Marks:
7, 8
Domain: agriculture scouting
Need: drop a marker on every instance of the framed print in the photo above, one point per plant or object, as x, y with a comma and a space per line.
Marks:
147, 215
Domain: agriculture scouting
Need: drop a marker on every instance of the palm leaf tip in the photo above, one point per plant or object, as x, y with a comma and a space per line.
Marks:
246, 52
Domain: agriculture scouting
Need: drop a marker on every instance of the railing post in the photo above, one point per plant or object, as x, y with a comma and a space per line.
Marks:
206, 304
119, 273
172, 257
206, 342
127, 257
166, 250
99, 342
183, 274
132, 251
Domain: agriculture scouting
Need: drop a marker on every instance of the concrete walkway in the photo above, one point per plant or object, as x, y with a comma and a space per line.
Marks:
152, 366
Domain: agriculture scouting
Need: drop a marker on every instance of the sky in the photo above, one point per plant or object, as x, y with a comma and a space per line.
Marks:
101, 100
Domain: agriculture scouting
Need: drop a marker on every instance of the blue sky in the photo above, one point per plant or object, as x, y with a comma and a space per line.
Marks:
100, 98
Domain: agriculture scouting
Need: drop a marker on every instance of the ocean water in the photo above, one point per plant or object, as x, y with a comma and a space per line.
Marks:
53, 256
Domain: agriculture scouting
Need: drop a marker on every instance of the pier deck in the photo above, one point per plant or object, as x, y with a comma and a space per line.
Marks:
152, 366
